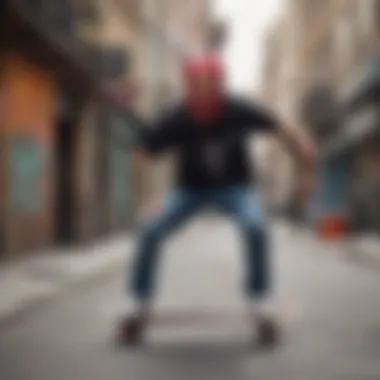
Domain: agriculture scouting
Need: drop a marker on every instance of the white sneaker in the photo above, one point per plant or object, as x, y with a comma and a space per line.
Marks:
262, 312
133, 307
261, 307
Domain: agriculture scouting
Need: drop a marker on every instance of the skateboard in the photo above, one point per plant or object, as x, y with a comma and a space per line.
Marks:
132, 331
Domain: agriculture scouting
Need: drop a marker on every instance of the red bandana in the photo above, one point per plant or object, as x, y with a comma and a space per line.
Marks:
203, 109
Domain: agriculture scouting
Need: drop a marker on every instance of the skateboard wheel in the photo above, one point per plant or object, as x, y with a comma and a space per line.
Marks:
268, 333
131, 331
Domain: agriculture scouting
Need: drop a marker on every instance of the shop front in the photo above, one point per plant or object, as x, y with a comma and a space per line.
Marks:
121, 194
46, 82
365, 187
115, 183
347, 175
331, 214
357, 147
324, 206
27, 118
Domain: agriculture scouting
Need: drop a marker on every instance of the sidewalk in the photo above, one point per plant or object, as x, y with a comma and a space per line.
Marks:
363, 249
28, 283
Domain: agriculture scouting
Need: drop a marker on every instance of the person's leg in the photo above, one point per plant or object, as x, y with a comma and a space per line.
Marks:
180, 205
244, 205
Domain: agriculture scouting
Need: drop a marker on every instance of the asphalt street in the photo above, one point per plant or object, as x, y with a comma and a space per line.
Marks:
330, 311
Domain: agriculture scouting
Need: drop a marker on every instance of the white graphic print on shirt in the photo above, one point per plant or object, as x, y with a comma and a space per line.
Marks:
213, 157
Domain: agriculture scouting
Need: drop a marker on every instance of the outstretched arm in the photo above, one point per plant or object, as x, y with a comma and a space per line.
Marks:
298, 143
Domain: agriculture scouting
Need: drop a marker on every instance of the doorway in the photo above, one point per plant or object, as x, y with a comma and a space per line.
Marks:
64, 182
2, 156
102, 173
64, 190
2, 198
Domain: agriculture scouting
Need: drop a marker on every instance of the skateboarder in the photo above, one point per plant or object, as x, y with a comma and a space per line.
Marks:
209, 130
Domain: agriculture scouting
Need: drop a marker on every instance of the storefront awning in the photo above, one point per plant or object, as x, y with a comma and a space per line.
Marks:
319, 111
358, 127
79, 66
364, 84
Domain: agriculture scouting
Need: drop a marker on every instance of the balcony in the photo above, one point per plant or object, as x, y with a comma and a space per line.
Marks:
56, 35
133, 9
108, 63
362, 125
319, 110
57, 18
312, 10
365, 85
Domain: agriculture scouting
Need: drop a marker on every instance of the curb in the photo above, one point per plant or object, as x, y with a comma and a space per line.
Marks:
32, 306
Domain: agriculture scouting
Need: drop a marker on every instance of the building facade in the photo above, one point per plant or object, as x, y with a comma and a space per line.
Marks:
31, 91
333, 41
67, 75
56, 64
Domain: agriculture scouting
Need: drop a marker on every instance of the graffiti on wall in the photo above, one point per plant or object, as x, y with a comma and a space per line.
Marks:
24, 168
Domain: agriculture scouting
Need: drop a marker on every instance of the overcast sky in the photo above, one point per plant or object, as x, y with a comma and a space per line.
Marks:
248, 21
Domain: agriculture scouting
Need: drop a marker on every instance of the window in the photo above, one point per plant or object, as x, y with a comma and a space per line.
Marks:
343, 42
323, 60
313, 10
110, 62
365, 16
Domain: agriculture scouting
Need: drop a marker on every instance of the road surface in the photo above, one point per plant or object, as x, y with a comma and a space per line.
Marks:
330, 310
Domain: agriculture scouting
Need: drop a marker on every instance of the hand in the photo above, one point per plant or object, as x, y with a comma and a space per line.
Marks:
302, 146
308, 153
148, 208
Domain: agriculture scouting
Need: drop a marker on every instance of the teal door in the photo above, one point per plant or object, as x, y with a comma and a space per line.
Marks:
119, 188
335, 179
121, 195
25, 174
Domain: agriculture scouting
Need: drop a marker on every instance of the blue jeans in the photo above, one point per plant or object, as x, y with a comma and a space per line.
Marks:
241, 203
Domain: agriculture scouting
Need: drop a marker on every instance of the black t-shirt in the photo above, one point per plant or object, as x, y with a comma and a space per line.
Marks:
214, 155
